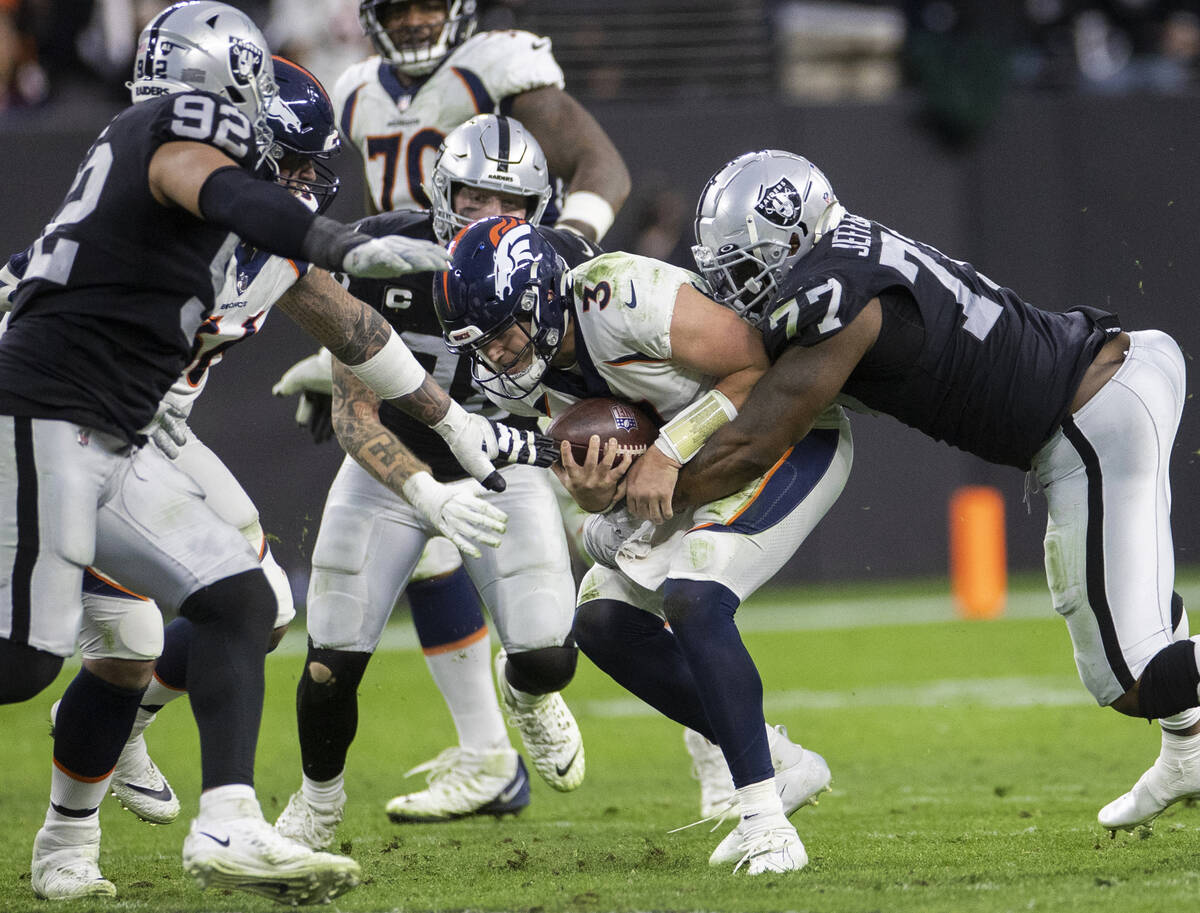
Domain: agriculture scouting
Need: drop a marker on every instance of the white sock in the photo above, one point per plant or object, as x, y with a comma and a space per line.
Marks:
234, 800
328, 792
71, 831
464, 676
67, 792
759, 800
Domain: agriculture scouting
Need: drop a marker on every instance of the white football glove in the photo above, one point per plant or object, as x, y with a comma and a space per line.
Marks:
393, 255
169, 430
475, 441
312, 379
457, 511
8, 287
616, 533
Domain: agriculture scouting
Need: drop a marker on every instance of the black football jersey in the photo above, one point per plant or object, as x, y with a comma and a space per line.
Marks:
117, 284
406, 302
958, 357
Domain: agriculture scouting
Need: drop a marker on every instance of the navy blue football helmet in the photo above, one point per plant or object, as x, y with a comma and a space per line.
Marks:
302, 119
503, 273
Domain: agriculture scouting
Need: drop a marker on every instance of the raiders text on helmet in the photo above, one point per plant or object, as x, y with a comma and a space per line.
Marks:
756, 218
492, 153
209, 46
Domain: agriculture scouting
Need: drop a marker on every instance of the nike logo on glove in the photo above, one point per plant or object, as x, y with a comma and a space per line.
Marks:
224, 842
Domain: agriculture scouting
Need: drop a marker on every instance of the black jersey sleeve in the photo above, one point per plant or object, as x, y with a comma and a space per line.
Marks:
201, 117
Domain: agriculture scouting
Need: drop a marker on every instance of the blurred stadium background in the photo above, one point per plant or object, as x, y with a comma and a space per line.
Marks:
1053, 143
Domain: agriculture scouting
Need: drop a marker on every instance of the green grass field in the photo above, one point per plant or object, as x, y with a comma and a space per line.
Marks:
968, 767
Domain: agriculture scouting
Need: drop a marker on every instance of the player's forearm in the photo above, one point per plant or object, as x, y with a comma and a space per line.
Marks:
320, 306
728, 461
361, 434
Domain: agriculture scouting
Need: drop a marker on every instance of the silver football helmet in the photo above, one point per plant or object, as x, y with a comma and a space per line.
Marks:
756, 218
210, 46
418, 49
492, 153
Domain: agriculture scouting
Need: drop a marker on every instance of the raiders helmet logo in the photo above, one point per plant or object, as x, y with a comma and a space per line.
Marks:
781, 205
245, 61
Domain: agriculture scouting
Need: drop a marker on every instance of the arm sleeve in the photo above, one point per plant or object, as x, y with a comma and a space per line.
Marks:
267, 216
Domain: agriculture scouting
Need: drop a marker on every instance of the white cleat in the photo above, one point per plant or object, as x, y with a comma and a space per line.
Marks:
139, 785
462, 783
771, 845
708, 766
62, 871
549, 731
800, 777
247, 854
1164, 784
308, 823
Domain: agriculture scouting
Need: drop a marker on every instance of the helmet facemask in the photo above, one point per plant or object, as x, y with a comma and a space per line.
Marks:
416, 50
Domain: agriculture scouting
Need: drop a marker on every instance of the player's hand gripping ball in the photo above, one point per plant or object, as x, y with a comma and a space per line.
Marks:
631, 425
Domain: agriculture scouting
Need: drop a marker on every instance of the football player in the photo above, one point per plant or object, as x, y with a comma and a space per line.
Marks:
101, 327
851, 307
541, 336
373, 532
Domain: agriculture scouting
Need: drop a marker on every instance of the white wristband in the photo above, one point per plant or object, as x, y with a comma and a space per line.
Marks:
392, 371
588, 208
683, 436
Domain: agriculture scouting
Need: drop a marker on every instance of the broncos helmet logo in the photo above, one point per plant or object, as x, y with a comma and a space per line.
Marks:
514, 255
281, 112
781, 205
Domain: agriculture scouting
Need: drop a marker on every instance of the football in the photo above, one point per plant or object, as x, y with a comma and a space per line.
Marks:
631, 425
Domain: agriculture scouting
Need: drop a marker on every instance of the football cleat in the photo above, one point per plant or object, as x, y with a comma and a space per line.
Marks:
709, 767
769, 846
139, 785
549, 731
247, 854
462, 783
800, 777
308, 823
62, 871
1164, 784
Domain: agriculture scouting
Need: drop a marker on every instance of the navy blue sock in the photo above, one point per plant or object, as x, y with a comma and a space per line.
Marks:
636, 650
701, 615
444, 609
92, 723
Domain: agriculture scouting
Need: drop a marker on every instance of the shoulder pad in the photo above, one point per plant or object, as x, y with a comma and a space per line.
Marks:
509, 62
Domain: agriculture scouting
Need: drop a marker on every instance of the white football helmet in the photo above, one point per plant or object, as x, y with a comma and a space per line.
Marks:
201, 44
756, 218
417, 50
492, 153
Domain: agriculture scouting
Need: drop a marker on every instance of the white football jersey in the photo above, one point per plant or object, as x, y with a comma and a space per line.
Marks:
623, 305
254, 281
397, 129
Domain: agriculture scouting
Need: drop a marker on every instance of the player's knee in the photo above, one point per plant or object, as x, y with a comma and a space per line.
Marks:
130, 674
542, 671
1169, 682
25, 671
598, 625
696, 605
243, 602
330, 673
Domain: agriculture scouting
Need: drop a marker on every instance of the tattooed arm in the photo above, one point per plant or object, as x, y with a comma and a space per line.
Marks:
354, 332
364, 437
